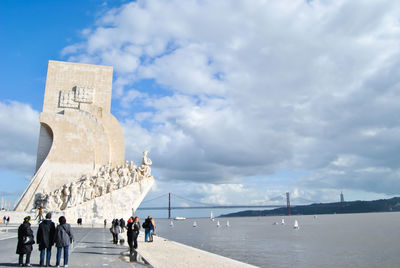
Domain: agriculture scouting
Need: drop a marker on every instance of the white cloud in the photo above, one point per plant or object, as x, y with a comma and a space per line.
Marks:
253, 87
19, 131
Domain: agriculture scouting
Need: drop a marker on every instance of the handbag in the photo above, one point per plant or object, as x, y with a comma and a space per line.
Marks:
28, 240
68, 233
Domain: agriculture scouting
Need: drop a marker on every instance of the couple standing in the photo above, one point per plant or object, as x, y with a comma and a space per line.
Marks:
149, 229
47, 236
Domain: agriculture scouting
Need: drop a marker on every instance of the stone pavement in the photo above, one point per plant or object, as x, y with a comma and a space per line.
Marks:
92, 248
166, 253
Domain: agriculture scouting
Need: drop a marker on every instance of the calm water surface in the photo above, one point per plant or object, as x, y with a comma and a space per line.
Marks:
352, 240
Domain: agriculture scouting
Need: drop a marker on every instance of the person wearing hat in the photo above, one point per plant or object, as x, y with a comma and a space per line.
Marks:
25, 241
45, 238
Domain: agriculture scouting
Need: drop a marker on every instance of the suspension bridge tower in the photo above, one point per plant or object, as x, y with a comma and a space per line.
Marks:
288, 202
169, 205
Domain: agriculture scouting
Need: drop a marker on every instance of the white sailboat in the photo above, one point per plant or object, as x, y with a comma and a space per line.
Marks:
296, 225
227, 224
211, 216
171, 224
194, 224
283, 221
218, 225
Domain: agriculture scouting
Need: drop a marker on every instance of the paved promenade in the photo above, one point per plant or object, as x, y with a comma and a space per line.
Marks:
93, 248
165, 253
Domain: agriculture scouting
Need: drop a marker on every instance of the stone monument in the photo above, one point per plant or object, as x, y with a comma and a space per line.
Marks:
81, 169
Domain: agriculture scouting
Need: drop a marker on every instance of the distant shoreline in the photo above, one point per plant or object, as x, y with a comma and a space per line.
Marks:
381, 205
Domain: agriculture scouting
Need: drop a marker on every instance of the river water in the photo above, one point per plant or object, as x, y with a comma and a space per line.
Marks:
346, 240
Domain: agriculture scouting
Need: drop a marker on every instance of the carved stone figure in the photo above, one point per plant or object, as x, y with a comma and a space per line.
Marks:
51, 201
145, 169
40, 200
73, 191
58, 198
64, 196
114, 178
87, 187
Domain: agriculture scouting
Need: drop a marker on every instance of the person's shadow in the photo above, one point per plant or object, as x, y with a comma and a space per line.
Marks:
133, 256
6, 264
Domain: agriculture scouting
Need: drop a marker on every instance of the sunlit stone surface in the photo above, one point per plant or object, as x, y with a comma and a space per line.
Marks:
81, 168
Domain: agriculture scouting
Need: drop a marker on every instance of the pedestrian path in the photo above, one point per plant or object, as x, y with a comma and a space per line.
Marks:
93, 247
163, 253
8, 232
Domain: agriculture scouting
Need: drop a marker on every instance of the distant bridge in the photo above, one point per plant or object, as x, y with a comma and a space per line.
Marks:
215, 206
201, 205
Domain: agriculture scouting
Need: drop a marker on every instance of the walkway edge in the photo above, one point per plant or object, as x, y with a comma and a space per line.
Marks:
164, 253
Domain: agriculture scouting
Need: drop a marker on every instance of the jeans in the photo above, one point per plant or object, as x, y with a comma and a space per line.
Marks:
115, 238
48, 256
65, 255
27, 260
147, 234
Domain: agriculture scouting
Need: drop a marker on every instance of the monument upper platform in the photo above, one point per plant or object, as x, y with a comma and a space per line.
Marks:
77, 86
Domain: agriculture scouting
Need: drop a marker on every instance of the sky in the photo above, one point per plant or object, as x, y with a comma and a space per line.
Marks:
237, 102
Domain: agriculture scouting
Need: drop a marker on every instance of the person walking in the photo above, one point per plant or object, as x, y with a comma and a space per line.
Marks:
115, 231
25, 242
63, 239
4, 219
45, 238
105, 223
8, 220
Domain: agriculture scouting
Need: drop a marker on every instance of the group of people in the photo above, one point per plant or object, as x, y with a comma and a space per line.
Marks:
133, 229
61, 236
117, 227
47, 236
6, 220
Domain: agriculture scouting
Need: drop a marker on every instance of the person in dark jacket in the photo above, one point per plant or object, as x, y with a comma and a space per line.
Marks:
115, 231
25, 241
122, 224
136, 230
63, 239
147, 225
133, 228
45, 238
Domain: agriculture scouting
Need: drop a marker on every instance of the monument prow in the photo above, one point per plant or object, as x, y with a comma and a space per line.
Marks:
81, 144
